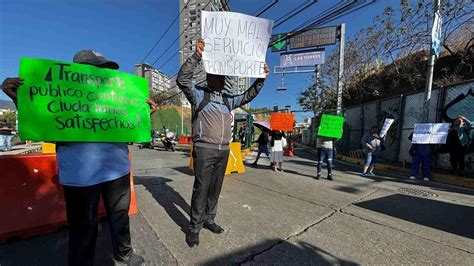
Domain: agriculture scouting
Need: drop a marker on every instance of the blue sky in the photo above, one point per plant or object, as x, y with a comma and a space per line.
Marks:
125, 30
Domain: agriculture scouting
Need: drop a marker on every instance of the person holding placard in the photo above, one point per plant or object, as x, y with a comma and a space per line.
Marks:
421, 154
372, 144
211, 127
89, 171
458, 141
325, 148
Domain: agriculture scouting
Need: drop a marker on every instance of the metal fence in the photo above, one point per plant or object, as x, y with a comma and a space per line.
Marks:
446, 103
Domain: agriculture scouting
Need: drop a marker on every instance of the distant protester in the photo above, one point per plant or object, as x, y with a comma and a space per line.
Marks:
458, 141
372, 144
277, 144
262, 146
325, 148
421, 155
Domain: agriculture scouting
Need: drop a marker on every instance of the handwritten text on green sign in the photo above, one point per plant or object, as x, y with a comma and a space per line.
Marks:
331, 126
62, 101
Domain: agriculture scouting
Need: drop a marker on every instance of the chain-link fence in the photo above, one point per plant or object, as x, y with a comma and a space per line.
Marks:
445, 105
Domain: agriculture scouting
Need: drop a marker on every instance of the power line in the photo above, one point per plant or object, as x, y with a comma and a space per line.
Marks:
304, 5
262, 7
169, 47
267, 8
163, 35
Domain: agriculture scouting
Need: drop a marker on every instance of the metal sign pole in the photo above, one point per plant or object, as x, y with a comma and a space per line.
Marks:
429, 74
181, 60
342, 34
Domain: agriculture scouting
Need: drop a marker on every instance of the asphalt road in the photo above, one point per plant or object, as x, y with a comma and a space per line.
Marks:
284, 218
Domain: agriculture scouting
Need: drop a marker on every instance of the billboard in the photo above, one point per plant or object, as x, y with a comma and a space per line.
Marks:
306, 58
314, 37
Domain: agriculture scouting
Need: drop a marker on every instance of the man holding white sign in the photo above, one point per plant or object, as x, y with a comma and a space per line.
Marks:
236, 44
211, 123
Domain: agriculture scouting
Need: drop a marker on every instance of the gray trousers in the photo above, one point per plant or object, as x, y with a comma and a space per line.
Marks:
209, 171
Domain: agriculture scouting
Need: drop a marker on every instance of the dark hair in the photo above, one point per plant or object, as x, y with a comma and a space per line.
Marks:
374, 127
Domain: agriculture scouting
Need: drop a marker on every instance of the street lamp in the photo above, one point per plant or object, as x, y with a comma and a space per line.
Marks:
282, 91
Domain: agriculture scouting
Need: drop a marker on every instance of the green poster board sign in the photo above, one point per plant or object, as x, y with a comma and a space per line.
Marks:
331, 126
63, 101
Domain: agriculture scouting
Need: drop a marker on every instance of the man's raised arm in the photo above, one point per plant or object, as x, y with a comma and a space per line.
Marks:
186, 72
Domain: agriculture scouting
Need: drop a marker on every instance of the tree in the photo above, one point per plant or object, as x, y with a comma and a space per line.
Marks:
10, 118
169, 97
388, 57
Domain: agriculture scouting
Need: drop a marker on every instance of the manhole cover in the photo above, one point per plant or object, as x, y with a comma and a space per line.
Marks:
417, 192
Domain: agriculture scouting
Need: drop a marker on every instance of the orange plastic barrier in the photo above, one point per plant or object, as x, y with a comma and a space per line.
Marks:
32, 200
289, 151
235, 163
185, 140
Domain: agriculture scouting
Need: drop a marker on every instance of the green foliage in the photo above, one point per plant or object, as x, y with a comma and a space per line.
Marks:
388, 58
169, 118
9, 118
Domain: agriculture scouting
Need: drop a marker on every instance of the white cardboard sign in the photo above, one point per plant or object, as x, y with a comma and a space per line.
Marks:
236, 44
386, 126
430, 133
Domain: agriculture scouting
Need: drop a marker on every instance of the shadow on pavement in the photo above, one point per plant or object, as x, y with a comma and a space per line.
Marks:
184, 170
280, 252
452, 218
167, 197
268, 168
52, 249
348, 189
305, 163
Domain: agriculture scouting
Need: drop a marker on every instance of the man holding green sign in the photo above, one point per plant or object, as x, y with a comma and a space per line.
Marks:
93, 111
330, 128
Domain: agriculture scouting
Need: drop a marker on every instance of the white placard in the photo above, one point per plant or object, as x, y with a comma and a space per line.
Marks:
430, 133
236, 44
386, 126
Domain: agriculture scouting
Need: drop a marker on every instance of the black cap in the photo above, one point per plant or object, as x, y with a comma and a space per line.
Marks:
91, 57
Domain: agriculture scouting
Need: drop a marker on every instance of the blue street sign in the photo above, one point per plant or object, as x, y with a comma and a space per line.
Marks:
306, 58
436, 34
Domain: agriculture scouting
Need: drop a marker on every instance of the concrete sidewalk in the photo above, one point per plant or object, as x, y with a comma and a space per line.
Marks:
284, 218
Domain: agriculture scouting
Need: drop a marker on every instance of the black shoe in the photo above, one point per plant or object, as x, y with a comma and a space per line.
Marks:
318, 176
214, 228
329, 177
134, 260
192, 239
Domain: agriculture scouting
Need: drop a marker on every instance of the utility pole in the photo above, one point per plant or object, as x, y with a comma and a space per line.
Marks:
429, 75
181, 59
342, 33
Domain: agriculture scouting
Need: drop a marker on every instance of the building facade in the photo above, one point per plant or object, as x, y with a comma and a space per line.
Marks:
157, 80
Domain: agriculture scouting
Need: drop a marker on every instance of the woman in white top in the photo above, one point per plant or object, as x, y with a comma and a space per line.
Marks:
277, 144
